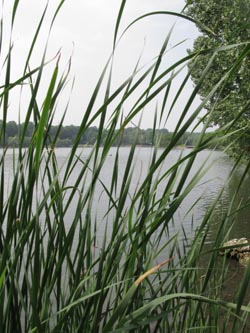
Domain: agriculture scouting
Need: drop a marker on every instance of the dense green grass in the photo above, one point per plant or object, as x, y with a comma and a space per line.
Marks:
55, 276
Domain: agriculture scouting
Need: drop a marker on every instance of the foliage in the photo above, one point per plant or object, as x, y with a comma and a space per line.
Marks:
65, 265
67, 135
229, 22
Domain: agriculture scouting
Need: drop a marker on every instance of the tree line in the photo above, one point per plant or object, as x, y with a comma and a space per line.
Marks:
67, 134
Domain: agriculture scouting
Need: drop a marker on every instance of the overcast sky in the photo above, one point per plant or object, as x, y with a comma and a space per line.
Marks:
84, 29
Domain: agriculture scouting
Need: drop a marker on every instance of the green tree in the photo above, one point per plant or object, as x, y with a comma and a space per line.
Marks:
11, 129
149, 140
229, 21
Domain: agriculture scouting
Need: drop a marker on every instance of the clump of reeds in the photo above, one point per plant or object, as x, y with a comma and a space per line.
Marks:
62, 269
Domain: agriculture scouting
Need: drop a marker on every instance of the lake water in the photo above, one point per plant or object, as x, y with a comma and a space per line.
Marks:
213, 181
187, 216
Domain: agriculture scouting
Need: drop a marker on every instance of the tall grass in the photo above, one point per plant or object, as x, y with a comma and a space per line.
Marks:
65, 266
